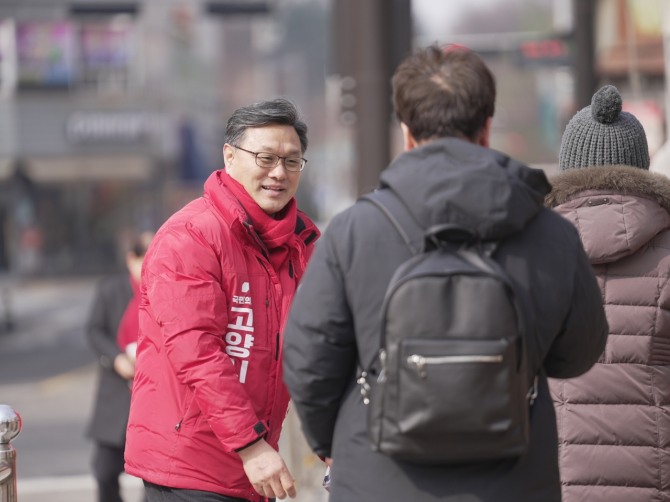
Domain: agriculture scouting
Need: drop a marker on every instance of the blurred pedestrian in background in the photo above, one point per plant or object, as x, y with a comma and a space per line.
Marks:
614, 421
208, 398
444, 99
113, 317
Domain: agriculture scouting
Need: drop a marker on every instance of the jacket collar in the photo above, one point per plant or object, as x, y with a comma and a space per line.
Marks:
237, 217
616, 209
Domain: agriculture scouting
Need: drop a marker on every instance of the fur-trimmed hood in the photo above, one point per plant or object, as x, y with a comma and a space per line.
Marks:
620, 179
616, 209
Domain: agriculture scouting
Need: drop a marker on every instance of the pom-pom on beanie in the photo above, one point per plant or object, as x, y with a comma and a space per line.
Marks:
601, 135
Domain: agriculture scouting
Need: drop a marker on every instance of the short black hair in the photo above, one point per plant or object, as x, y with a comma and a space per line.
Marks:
276, 111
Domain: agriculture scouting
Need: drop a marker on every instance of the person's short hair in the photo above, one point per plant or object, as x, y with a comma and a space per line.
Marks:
277, 111
140, 243
444, 91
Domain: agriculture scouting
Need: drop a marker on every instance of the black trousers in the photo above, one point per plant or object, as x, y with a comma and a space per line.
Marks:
157, 493
107, 467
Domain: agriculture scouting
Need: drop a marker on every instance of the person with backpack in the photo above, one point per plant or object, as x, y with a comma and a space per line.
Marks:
614, 421
419, 343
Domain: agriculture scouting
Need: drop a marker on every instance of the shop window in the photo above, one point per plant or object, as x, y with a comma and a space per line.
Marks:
107, 53
46, 54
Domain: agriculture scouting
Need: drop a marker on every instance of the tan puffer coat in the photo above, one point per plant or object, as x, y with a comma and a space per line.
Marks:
614, 421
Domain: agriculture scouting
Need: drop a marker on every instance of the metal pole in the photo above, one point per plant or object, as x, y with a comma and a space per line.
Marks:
585, 60
665, 27
10, 427
373, 96
370, 39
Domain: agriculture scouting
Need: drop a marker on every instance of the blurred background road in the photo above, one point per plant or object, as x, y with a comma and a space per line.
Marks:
47, 374
112, 114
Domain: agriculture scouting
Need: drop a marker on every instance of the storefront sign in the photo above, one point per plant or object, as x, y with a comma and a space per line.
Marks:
105, 127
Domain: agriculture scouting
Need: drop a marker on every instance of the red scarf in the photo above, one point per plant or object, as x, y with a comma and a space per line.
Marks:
275, 231
129, 326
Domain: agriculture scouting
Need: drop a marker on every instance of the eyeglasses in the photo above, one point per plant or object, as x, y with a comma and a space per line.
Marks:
270, 160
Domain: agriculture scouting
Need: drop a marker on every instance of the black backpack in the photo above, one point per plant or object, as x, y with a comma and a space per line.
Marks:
453, 384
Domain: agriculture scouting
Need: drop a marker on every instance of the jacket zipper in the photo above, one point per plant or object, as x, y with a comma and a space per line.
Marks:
254, 235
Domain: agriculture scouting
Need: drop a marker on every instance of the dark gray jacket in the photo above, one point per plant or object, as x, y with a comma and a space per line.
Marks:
334, 322
112, 401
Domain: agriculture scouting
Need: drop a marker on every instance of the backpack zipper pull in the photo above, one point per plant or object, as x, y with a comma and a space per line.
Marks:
365, 387
420, 363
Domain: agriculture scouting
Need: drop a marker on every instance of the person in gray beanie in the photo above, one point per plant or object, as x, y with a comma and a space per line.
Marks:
601, 134
614, 421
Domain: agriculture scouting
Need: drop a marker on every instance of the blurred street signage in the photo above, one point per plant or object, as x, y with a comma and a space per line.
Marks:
104, 9
223, 8
551, 51
108, 127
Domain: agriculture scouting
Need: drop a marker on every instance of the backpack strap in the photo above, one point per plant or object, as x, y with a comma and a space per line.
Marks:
397, 213
412, 235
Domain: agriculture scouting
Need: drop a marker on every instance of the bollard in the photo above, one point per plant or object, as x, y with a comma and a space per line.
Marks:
10, 426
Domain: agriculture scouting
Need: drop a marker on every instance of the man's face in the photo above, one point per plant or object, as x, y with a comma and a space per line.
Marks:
271, 188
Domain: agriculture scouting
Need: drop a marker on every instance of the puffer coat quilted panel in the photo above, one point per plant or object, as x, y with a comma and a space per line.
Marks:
614, 421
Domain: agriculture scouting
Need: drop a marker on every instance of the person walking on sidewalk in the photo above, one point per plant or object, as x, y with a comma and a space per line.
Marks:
444, 99
614, 421
208, 399
114, 303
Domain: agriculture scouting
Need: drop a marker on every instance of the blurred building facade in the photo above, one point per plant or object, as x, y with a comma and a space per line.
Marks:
112, 113
550, 56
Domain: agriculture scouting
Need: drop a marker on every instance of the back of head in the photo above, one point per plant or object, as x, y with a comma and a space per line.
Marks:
264, 113
140, 244
444, 91
135, 255
603, 135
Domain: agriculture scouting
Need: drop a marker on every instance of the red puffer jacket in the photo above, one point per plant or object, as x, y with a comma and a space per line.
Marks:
208, 378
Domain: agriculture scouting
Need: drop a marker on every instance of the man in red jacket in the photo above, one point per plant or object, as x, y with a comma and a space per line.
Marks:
208, 397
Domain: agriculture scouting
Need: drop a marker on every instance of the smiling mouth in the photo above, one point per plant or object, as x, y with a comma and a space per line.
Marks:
272, 189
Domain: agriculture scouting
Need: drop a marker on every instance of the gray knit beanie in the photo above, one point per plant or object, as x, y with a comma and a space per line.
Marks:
602, 135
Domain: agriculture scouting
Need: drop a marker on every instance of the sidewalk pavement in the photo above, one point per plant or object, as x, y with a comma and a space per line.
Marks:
73, 489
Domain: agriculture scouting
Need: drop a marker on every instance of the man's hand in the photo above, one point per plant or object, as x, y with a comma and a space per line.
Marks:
267, 471
124, 366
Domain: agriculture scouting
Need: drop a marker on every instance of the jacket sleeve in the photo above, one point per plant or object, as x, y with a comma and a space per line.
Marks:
98, 327
184, 289
584, 332
320, 353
